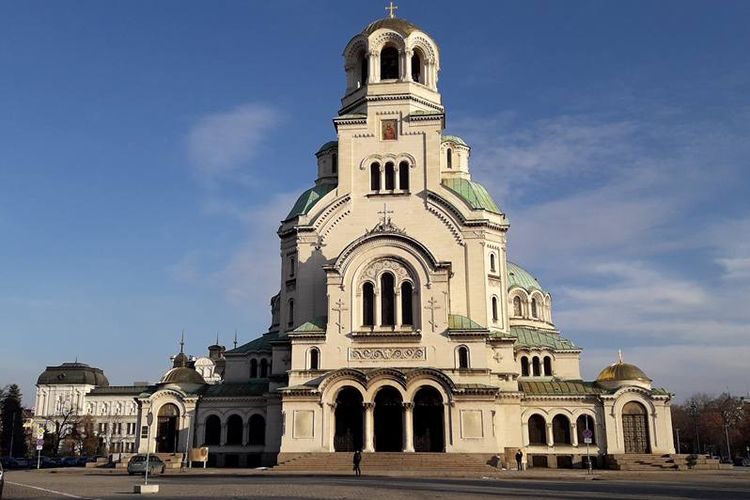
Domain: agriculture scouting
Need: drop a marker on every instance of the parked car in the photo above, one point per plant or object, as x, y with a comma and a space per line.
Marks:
9, 463
741, 462
137, 465
2, 480
69, 462
24, 463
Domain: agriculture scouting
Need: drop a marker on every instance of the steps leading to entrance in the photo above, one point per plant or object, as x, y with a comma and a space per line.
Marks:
341, 462
646, 462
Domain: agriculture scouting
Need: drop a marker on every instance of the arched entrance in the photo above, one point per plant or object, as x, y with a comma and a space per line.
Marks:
166, 429
348, 415
389, 426
635, 428
429, 420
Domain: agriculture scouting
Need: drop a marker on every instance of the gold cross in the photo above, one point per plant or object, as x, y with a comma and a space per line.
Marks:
391, 8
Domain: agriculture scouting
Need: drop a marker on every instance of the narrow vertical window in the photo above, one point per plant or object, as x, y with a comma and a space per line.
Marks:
253, 368
390, 177
463, 357
387, 297
493, 266
334, 163
291, 312
403, 176
535, 366
494, 309
547, 366
263, 368
517, 306
524, 366
416, 68
389, 64
375, 177
449, 158
314, 358
368, 304
292, 266
363, 69
407, 314
533, 308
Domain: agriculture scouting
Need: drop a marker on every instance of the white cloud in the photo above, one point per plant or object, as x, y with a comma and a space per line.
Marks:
221, 145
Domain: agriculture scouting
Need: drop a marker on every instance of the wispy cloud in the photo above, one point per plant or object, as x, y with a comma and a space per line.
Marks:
222, 145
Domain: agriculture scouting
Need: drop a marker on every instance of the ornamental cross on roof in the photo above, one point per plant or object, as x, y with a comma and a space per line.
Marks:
390, 10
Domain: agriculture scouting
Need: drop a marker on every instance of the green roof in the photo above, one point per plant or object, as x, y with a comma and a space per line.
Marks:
560, 387
256, 387
454, 138
261, 344
473, 193
518, 276
308, 199
537, 338
328, 145
314, 326
458, 322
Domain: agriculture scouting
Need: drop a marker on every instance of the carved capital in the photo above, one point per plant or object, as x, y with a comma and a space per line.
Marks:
408, 405
368, 405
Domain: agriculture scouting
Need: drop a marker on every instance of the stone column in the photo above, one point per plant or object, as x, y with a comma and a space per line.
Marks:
369, 426
550, 435
223, 437
378, 305
331, 427
407, 64
408, 427
402, 65
397, 305
573, 434
245, 432
372, 60
382, 175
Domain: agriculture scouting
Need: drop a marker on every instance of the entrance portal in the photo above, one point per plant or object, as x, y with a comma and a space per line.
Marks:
348, 415
635, 428
389, 410
428, 421
166, 429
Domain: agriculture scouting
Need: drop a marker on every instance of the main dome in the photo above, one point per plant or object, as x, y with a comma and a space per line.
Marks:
73, 373
392, 23
182, 375
520, 277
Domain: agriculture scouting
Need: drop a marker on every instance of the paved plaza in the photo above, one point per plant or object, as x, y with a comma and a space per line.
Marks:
218, 483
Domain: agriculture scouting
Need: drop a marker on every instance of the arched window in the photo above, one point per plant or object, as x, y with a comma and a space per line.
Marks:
517, 306
253, 368
234, 430
493, 267
368, 304
537, 430
449, 158
334, 163
582, 423
494, 309
533, 308
416, 68
407, 314
263, 368
291, 312
547, 366
213, 431
403, 176
561, 429
375, 176
463, 357
524, 366
390, 177
292, 266
363, 69
314, 358
387, 297
389, 64
256, 430
535, 367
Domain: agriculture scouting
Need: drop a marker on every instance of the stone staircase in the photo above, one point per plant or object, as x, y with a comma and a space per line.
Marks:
649, 462
438, 464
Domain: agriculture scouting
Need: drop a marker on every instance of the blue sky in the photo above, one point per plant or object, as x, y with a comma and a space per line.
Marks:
149, 149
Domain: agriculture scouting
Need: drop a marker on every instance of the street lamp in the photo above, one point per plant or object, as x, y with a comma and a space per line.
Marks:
693, 412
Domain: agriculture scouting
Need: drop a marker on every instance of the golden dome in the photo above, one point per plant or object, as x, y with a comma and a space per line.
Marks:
622, 371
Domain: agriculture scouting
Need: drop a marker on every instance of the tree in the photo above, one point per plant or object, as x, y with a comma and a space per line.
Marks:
62, 424
12, 437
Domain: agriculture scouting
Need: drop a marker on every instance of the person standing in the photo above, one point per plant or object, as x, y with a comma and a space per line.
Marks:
356, 459
519, 460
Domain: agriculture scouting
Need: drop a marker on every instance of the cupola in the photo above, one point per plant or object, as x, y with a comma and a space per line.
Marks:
620, 374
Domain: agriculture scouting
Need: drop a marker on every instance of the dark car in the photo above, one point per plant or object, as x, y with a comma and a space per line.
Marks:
9, 463
137, 465
69, 462
741, 462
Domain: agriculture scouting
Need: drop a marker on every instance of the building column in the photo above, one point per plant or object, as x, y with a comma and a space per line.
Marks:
369, 426
378, 306
397, 306
408, 426
573, 434
402, 65
550, 435
372, 61
223, 438
331, 427
407, 64
382, 177
245, 432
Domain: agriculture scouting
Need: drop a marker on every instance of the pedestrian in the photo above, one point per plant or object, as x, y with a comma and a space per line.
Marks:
356, 459
519, 460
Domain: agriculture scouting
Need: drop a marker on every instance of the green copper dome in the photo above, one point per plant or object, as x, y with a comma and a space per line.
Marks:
473, 193
454, 139
308, 199
518, 276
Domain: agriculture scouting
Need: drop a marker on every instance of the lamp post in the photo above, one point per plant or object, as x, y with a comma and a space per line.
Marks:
731, 413
694, 413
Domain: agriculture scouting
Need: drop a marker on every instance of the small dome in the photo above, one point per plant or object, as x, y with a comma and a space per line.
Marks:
328, 145
621, 372
182, 375
181, 360
518, 276
73, 373
391, 23
454, 139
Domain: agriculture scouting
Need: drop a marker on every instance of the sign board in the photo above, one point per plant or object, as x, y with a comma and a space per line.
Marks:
40, 433
199, 454
39, 447
587, 440
40, 442
149, 419
588, 434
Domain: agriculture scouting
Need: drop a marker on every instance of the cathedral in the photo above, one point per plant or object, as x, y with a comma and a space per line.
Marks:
399, 325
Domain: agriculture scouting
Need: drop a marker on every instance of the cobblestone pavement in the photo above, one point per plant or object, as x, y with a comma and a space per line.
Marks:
89, 484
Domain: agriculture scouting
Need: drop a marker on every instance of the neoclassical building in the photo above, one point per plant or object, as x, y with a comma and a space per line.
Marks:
400, 325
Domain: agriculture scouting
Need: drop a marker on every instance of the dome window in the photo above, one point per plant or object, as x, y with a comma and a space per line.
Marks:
375, 176
517, 306
494, 309
449, 158
463, 358
407, 314
534, 312
524, 366
388, 316
403, 176
389, 64
314, 358
416, 67
363, 69
368, 304
390, 177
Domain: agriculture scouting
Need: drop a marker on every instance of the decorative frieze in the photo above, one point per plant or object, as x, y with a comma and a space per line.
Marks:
387, 353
